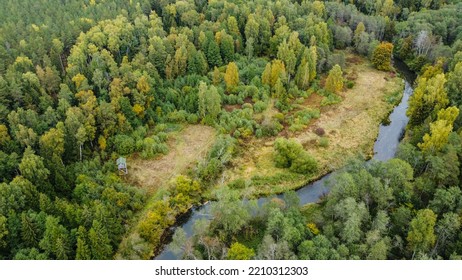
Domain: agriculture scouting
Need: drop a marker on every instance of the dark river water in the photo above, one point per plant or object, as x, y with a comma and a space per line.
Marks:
384, 149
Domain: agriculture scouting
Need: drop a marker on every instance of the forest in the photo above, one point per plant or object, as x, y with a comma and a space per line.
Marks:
222, 102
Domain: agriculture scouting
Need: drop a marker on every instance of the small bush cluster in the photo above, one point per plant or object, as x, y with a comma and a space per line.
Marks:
290, 154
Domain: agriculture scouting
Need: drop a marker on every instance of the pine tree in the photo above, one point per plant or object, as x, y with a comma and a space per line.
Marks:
83, 250
100, 244
227, 47
213, 53
29, 231
55, 240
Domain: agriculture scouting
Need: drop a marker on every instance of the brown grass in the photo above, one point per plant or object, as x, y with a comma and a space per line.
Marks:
351, 127
186, 147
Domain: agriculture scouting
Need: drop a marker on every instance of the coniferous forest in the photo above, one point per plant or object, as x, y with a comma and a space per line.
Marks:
222, 102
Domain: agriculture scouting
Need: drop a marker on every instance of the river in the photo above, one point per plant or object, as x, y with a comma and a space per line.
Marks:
384, 149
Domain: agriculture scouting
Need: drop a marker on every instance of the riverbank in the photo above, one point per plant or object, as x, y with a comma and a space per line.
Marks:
187, 146
342, 132
384, 148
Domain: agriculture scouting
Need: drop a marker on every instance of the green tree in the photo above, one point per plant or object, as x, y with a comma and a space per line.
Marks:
360, 29
100, 244
3, 231
213, 53
197, 63
429, 97
251, 29
312, 59
454, 85
287, 55
30, 229
33, 168
421, 236
230, 213
302, 78
55, 240
227, 47
290, 154
209, 102
83, 251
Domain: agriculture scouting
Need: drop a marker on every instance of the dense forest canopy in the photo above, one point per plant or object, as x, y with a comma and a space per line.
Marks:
85, 82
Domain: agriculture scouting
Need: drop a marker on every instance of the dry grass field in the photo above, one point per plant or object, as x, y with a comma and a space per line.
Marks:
350, 126
186, 147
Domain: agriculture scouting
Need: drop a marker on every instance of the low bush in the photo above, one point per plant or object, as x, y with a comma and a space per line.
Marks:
290, 154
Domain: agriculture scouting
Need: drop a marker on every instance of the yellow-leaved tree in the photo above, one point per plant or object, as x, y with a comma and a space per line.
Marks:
231, 76
381, 57
439, 131
334, 82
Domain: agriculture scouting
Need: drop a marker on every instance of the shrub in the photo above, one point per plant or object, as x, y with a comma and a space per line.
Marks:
290, 154
177, 116
323, 142
350, 84
193, 119
237, 184
286, 150
320, 131
259, 106
297, 127
271, 128
124, 144
331, 99
304, 164
162, 136
152, 147
210, 170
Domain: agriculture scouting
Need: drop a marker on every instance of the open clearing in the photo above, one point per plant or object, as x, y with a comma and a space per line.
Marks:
186, 147
350, 126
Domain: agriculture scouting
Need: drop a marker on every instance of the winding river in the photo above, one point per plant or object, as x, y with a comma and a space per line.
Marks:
384, 149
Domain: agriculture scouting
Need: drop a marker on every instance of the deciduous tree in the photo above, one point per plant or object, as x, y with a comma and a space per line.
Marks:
231, 76
334, 81
381, 57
